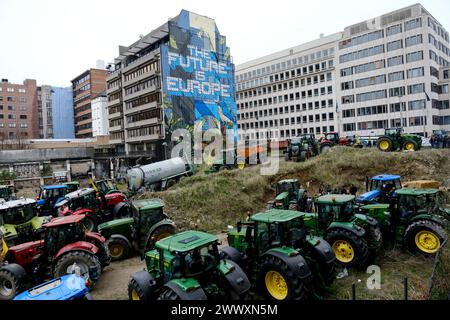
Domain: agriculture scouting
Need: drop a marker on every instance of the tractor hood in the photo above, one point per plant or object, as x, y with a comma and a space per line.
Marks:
115, 223
282, 196
368, 196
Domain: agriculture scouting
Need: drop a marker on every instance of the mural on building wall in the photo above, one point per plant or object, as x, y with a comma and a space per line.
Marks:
198, 76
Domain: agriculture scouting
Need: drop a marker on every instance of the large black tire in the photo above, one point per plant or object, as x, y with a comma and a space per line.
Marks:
410, 145
103, 254
142, 286
11, 283
234, 255
385, 144
170, 183
118, 248
159, 234
296, 286
90, 223
431, 245
375, 239
86, 261
358, 247
286, 157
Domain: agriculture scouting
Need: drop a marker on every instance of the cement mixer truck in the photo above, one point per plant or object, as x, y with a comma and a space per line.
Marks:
158, 176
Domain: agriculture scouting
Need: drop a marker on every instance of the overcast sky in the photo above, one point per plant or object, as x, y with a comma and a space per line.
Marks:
53, 41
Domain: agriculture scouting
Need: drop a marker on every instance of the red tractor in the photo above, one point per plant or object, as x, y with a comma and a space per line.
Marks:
331, 139
97, 207
67, 248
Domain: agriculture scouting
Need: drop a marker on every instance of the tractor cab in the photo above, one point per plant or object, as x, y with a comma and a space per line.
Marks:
184, 255
7, 192
289, 195
72, 186
332, 137
334, 208
80, 199
49, 196
19, 222
275, 228
63, 230
105, 186
393, 132
380, 189
413, 202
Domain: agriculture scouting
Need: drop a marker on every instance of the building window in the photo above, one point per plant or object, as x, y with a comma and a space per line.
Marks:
416, 88
397, 92
395, 45
415, 72
395, 61
370, 81
396, 76
416, 105
413, 24
414, 56
390, 31
414, 40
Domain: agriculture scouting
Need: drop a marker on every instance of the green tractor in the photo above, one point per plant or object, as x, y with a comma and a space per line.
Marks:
415, 218
140, 232
394, 139
354, 237
7, 192
280, 258
289, 196
188, 266
19, 221
297, 150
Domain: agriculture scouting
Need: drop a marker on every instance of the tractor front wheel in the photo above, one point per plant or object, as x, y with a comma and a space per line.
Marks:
10, 284
286, 157
118, 249
350, 250
90, 223
325, 148
86, 262
159, 234
142, 286
424, 236
410, 145
385, 144
279, 281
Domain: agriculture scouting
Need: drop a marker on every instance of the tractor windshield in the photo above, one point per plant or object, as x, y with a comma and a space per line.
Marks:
287, 187
331, 137
334, 212
197, 261
87, 201
296, 141
53, 194
386, 186
58, 237
5, 193
18, 215
413, 204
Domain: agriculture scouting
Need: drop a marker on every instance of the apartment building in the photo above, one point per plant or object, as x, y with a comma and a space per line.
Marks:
45, 112
177, 75
85, 88
384, 72
18, 110
100, 115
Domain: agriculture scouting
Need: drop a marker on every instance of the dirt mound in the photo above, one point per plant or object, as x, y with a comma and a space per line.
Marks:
215, 201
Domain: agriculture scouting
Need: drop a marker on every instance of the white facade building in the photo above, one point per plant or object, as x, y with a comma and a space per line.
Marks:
381, 73
100, 116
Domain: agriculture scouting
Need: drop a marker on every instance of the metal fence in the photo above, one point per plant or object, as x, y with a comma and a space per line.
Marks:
439, 283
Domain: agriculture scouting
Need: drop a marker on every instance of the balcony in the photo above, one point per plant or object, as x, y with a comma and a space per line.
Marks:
114, 102
143, 76
115, 128
150, 137
116, 141
147, 106
141, 93
148, 57
113, 89
112, 75
143, 123
115, 115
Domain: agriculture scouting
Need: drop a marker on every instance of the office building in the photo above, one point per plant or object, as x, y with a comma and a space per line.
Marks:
177, 75
385, 72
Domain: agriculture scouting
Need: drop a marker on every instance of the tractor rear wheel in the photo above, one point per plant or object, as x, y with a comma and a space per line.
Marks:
410, 145
279, 281
118, 249
159, 234
350, 250
169, 295
171, 183
286, 157
424, 236
385, 144
85, 261
10, 284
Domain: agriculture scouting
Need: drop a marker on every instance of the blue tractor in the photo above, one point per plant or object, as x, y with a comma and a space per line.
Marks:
48, 197
380, 189
68, 287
